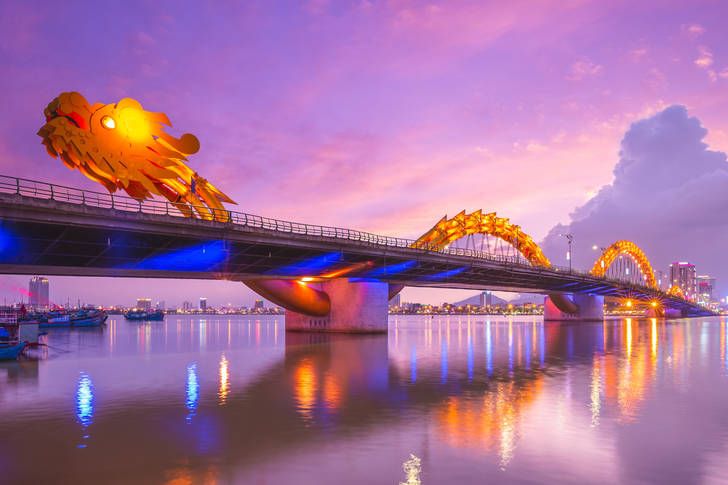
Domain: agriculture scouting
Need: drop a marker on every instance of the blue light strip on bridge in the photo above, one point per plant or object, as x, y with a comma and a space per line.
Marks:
201, 257
388, 270
444, 275
8, 244
309, 267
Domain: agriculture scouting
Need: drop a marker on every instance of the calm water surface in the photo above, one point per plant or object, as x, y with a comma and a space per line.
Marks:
437, 401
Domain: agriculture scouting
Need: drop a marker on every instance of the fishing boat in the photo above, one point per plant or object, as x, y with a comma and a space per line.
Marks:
154, 315
81, 318
11, 351
54, 319
88, 318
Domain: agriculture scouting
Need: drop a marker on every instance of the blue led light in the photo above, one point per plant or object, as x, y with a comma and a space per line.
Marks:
389, 270
201, 257
444, 275
308, 267
8, 244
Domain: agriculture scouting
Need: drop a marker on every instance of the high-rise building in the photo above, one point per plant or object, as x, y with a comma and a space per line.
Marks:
186, 306
662, 282
259, 305
706, 289
203, 304
396, 300
683, 276
485, 299
38, 289
144, 303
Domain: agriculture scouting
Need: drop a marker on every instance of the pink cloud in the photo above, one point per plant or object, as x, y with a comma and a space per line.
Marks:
584, 68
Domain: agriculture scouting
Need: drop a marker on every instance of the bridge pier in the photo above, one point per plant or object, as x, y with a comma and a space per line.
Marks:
580, 307
356, 307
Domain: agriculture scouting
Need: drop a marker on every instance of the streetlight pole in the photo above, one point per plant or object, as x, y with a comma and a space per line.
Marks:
570, 238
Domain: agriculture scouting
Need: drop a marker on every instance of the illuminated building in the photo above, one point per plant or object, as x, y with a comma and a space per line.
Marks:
144, 303
396, 300
203, 304
186, 306
259, 305
38, 289
706, 288
683, 276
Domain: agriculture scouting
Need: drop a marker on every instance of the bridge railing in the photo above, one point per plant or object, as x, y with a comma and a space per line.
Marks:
60, 193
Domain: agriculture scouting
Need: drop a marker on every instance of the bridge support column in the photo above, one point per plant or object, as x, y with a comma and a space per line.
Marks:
588, 308
356, 307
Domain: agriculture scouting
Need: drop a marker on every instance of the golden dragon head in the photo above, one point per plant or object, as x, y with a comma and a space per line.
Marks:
121, 146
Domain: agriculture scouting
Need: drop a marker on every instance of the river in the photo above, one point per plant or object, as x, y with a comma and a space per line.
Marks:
439, 400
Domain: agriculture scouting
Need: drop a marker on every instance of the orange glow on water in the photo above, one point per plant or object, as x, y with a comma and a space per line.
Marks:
332, 391
491, 422
305, 388
224, 380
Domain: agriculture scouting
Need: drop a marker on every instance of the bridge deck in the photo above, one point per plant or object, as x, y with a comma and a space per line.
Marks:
87, 236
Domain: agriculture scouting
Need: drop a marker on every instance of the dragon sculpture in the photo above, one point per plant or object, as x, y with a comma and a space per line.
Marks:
123, 147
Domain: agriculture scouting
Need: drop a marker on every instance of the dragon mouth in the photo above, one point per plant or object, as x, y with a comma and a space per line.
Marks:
74, 118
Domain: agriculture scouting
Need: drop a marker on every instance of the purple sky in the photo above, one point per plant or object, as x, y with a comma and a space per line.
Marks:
380, 116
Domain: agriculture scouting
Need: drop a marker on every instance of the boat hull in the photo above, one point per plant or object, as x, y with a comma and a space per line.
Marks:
89, 322
145, 316
77, 320
11, 352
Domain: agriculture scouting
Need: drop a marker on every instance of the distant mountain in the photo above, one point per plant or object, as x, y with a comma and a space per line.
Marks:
522, 298
475, 300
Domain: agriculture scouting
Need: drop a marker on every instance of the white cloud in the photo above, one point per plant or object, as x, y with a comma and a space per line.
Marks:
694, 30
584, 68
705, 57
668, 196
636, 55
535, 147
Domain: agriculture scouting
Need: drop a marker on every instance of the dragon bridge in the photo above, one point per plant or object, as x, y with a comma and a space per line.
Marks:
123, 147
447, 231
633, 251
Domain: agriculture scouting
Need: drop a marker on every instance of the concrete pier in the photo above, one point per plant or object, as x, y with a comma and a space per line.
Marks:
588, 308
356, 307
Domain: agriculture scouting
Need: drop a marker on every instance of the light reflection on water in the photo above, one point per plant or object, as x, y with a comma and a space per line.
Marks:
84, 405
439, 400
193, 390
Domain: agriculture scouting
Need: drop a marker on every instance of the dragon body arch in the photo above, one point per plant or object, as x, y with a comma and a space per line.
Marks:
630, 249
448, 230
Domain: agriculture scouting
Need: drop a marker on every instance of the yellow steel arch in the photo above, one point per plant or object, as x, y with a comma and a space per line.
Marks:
631, 249
449, 230
675, 291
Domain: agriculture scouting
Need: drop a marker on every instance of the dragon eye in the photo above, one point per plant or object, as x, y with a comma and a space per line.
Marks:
108, 122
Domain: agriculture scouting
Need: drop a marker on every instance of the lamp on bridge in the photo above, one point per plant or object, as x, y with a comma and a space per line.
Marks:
569, 238
599, 248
